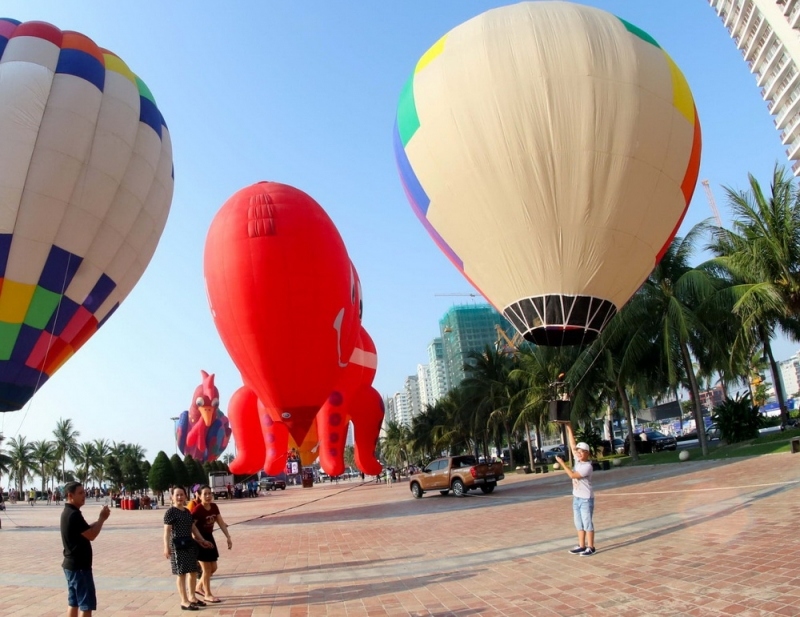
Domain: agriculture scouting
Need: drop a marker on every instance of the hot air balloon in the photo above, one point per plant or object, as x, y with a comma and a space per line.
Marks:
203, 431
86, 183
551, 151
286, 302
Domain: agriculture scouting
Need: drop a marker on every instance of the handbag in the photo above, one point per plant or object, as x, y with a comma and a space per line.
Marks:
182, 542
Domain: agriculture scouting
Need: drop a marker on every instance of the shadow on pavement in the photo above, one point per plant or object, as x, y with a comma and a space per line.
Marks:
341, 564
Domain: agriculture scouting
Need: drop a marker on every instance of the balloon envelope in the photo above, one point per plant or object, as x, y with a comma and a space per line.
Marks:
551, 151
85, 188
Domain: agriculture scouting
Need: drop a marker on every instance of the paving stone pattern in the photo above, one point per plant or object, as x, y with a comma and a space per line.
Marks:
703, 539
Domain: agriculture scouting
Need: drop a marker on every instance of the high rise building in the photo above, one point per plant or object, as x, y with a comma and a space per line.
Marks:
411, 389
465, 329
424, 381
790, 375
768, 34
437, 370
402, 408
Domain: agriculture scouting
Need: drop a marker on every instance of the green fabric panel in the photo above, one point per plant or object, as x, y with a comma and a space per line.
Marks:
407, 119
639, 32
144, 90
43, 304
8, 338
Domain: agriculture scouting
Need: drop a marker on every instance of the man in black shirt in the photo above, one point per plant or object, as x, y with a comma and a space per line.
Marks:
77, 536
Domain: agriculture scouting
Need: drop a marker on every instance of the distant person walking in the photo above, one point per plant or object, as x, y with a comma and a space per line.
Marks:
181, 538
32, 496
205, 516
582, 495
76, 537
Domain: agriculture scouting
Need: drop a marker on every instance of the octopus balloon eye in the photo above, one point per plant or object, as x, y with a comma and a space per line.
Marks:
215, 402
199, 402
352, 286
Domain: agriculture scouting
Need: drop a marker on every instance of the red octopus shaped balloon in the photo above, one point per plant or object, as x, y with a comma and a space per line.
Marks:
287, 304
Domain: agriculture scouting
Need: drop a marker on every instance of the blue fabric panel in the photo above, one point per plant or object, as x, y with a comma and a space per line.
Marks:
59, 269
99, 293
26, 340
412, 186
5, 247
79, 63
149, 114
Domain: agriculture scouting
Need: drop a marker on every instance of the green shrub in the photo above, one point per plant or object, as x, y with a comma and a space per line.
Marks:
738, 419
590, 436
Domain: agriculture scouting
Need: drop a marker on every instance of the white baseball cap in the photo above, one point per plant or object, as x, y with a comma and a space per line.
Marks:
583, 446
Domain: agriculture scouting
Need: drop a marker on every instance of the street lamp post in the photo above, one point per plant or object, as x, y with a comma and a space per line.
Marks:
175, 430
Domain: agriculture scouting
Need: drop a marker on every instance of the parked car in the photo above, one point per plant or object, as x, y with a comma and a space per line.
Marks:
615, 447
652, 441
271, 483
712, 432
559, 450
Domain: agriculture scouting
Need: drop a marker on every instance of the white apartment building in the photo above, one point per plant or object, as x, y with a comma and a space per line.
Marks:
790, 375
411, 388
424, 382
402, 408
768, 34
437, 371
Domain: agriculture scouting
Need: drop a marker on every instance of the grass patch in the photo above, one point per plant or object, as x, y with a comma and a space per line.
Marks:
771, 443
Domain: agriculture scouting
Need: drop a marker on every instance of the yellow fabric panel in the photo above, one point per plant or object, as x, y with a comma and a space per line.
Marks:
430, 55
114, 63
15, 300
682, 97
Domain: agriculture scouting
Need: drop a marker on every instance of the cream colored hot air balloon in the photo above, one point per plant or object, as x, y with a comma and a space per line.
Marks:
551, 150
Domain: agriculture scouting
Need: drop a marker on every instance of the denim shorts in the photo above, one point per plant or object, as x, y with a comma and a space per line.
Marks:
80, 589
582, 510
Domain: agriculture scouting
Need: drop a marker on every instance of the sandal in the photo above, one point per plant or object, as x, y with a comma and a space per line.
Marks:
198, 603
191, 607
214, 601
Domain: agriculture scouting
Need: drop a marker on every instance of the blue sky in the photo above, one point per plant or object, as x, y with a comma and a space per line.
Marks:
305, 93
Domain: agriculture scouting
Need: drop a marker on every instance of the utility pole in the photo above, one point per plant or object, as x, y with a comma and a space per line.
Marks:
175, 430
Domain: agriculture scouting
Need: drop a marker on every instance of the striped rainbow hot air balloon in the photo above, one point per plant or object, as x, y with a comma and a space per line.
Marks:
86, 183
551, 150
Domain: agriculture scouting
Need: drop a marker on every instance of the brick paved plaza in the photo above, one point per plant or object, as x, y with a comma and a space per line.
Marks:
705, 539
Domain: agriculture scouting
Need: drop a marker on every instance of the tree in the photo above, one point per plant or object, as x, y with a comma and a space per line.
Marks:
84, 459
179, 469
20, 453
102, 449
44, 453
161, 475
5, 460
394, 444
194, 470
66, 440
762, 255
145, 467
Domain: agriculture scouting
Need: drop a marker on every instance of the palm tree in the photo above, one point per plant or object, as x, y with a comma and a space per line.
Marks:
66, 440
102, 449
20, 453
5, 460
762, 255
44, 453
394, 444
671, 298
489, 385
84, 459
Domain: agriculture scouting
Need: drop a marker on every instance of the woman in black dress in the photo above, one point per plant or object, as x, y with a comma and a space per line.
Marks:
181, 539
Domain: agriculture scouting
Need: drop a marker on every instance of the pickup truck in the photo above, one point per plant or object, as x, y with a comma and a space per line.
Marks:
460, 474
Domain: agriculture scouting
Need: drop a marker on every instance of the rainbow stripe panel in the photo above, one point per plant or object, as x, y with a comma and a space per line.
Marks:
85, 189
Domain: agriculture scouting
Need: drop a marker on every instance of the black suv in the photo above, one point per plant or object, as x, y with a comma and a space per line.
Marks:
652, 441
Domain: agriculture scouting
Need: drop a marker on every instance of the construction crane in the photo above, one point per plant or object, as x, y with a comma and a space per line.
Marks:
509, 345
711, 201
459, 294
